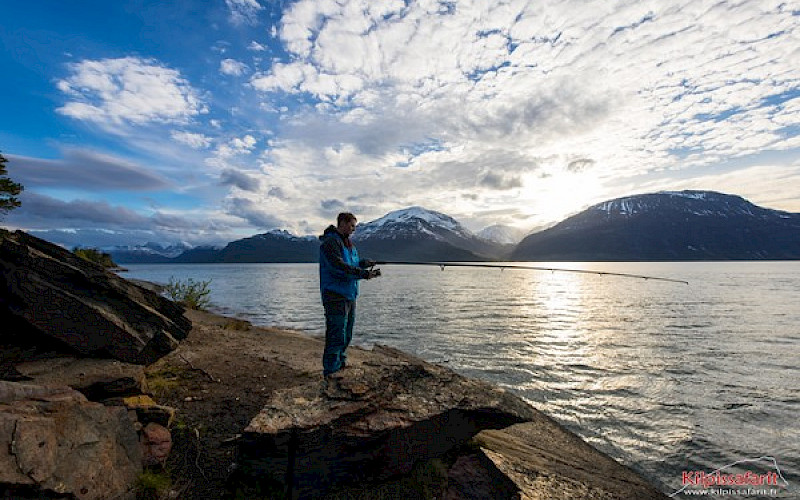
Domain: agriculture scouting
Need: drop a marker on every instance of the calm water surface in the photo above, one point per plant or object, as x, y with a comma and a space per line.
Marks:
662, 376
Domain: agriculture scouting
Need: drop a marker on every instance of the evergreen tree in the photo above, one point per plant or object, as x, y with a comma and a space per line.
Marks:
8, 189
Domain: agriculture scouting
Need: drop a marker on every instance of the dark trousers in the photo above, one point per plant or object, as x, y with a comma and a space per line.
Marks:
340, 314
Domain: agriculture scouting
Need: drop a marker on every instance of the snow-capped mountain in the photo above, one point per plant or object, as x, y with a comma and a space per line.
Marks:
412, 220
419, 234
669, 225
700, 203
504, 235
148, 253
411, 234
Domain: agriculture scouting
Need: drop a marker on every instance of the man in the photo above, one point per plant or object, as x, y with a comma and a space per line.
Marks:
339, 272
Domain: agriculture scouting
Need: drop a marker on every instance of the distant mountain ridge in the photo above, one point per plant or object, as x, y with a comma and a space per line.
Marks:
670, 225
414, 233
272, 246
149, 253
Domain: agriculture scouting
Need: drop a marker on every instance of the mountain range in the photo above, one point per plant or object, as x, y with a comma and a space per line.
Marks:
668, 226
671, 225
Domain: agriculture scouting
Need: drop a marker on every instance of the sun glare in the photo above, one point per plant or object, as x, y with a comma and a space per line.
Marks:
552, 198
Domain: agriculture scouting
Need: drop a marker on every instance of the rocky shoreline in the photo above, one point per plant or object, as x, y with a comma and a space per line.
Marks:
238, 411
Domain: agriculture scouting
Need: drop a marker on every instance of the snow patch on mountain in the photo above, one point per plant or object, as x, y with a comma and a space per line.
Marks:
694, 195
150, 248
412, 220
282, 233
700, 203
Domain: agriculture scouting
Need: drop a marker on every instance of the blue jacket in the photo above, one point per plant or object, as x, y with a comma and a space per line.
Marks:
339, 266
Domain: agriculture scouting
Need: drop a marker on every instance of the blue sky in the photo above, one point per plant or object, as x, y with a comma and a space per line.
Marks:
203, 122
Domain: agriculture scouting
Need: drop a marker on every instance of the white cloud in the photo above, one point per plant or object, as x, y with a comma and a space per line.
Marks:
128, 90
515, 112
244, 11
194, 140
256, 47
235, 147
244, 144
232, 67
629, 87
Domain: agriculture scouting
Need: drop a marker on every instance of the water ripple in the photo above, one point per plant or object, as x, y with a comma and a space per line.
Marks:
664, 378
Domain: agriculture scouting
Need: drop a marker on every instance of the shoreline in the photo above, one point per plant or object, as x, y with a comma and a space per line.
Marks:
226, 370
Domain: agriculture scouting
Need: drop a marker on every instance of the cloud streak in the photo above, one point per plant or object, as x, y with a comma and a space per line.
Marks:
86, 170
232, 177
84, 222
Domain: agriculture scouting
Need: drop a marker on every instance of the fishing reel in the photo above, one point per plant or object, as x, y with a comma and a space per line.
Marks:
373, 273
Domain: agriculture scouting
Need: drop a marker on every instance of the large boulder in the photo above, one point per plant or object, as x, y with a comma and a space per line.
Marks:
56, 444
369, 423
83, 306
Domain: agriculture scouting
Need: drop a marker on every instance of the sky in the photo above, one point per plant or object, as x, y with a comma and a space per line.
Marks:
207, 121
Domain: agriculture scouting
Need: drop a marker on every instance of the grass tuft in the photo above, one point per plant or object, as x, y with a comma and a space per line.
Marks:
152, 485
237, 324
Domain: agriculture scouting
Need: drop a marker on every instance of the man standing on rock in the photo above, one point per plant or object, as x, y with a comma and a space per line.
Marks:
339, 272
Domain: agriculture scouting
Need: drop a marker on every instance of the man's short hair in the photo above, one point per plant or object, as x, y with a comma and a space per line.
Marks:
345, 217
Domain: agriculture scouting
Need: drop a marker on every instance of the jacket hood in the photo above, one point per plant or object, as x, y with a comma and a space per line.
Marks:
329, 231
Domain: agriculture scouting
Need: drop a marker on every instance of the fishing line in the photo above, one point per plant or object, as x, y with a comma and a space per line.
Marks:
503, 267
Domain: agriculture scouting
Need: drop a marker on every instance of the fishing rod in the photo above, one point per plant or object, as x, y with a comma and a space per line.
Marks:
502, 267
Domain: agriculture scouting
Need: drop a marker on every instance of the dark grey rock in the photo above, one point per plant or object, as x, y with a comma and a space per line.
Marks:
371, 422
474, 477
83, 306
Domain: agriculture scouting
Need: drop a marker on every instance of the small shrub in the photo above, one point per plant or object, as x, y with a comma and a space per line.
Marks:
8, 190
153, 485
237, 324
95, 255
192, 294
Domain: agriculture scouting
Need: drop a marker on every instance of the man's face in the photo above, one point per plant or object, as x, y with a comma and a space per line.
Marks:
347, 228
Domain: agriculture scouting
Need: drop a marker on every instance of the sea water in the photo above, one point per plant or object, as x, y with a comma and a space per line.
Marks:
667, 378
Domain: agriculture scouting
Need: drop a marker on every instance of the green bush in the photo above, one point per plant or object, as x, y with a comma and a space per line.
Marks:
8, 189
94, 255
153, 485
192, 294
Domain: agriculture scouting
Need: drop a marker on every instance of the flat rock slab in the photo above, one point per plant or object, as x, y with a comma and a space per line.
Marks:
54, 442
83, 306
371, 422
96, 378
546, 461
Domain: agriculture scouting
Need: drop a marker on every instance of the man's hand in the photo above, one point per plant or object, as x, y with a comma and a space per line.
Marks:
369, 263
374, 274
